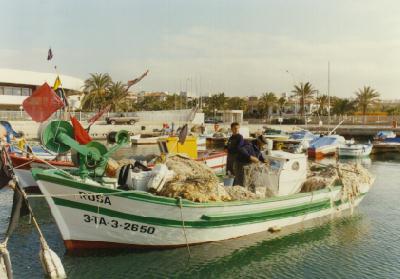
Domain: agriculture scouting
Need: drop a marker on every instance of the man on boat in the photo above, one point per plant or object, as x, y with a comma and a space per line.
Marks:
232, 147
249, 153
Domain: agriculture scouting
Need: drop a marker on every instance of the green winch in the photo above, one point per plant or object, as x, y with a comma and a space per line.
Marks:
58, 136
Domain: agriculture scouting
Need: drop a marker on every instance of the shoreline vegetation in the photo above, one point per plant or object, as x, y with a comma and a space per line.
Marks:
304, 99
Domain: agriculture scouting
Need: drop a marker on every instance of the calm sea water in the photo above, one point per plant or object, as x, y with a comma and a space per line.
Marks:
364, 245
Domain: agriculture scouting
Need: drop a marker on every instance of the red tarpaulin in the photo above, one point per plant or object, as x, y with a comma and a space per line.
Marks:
81, 135
42, 104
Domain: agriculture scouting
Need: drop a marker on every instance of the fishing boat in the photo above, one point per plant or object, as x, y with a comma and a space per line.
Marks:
91, 211
351, 149
298, 141
37, 150
142, 140
382, 135
325, 146
94, 214
387, 145
275, 134
215, 159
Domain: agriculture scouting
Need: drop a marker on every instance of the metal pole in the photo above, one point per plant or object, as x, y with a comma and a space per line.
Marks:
329, 97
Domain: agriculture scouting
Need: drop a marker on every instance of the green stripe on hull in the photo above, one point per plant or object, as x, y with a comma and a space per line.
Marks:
208, 221
57, 177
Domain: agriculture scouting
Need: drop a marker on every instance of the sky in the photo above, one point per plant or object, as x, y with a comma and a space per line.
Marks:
242, 48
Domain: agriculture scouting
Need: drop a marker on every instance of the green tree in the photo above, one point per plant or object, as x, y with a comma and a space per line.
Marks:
281, 104
267, 101
343, 106
215, 102
116, 96
95, 90
365, 98
322, 102
304, 91
236, 103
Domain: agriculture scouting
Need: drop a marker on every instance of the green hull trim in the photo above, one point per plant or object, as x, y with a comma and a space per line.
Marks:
57, 177
208, 220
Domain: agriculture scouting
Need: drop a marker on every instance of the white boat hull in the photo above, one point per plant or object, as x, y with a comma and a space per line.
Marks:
357, 150
141, 219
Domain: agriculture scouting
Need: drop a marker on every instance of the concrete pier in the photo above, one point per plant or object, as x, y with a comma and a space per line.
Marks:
101, 129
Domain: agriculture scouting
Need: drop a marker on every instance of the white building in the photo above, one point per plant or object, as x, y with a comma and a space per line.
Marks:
17, 85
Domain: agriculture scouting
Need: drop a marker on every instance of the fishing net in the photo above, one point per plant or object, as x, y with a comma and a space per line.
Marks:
239, 193
261, 180
351, 176
319, 177
193, 181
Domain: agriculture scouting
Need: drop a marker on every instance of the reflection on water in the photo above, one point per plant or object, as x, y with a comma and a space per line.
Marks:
364, 245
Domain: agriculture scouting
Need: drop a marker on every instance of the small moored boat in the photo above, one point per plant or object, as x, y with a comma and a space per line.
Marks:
354, 150
325, 146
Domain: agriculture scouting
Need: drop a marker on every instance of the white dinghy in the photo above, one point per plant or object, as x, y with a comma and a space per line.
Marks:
352, 149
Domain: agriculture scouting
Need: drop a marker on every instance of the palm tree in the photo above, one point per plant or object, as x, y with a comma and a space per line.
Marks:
366, 97
322, 102
281, 104
95, 90
236, 103
267, 101
304, 91
116, 95
343, 106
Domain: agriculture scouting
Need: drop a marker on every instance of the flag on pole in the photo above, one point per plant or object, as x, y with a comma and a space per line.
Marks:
49, 55
42, 103
57, 87
99, 114
136, 80
80, 134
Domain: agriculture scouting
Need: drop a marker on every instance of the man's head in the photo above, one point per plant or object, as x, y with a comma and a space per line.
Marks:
261, 141
235, 128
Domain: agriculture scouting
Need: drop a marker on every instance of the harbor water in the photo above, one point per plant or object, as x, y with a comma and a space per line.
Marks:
362, 245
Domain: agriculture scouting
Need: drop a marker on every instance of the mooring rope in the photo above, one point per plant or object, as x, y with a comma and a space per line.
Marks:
183, 227
44, 161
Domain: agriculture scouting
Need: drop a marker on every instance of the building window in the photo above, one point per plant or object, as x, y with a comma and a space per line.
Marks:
7, 90
1, 90
16, 91
26, 92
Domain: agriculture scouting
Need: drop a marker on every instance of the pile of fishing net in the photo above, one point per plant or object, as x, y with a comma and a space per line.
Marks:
351, 176
319, 177
192, 180
239, 193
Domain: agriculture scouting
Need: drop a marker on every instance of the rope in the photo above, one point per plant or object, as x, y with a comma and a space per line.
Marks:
45, 162
24, 164
183, 227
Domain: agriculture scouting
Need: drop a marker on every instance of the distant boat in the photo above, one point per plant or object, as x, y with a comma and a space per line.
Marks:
387, 145
382, 135
275, 134
325, 146
354, 150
